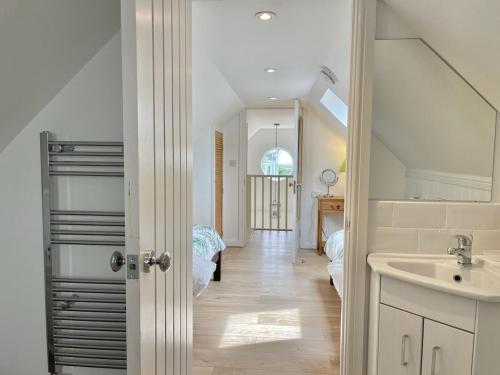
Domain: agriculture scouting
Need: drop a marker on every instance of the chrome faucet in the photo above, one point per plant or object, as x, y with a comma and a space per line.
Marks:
463, 251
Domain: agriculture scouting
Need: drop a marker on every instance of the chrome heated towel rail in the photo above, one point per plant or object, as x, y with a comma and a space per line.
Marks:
86, 320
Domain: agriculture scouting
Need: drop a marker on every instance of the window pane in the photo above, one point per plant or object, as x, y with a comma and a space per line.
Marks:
277, 161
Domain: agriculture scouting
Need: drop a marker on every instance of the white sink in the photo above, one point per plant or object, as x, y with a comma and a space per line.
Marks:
480, 281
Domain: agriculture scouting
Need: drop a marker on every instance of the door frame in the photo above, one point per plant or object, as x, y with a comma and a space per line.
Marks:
138, 61
354, 342
297, 178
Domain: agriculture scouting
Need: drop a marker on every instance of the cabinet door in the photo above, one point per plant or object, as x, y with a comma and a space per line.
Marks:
446, 350
399, 342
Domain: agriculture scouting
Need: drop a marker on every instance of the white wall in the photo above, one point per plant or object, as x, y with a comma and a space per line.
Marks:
437, 111
339, 54
322, 148
384, 167
462, 31
214, 100
44, 44
214, 103
235, 174
264, 140
89, 107
265, 118
390, 25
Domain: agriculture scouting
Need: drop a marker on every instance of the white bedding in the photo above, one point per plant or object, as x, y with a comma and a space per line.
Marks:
336, 271
206, 243
334, 246
334, 249
202, 273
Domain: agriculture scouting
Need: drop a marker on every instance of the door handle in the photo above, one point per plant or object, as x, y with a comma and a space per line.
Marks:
163, 261
404, 361
116, 261
433, 362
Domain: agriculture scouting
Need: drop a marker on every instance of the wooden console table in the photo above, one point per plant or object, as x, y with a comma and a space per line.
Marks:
327, 205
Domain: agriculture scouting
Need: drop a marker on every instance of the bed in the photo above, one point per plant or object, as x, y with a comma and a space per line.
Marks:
334, 249
207, 259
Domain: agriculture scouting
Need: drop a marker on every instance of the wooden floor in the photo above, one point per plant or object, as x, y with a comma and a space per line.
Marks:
267, 316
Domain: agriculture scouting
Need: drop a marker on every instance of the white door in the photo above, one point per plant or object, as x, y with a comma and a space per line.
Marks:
157, 113
297, 179
446, 350
399, 343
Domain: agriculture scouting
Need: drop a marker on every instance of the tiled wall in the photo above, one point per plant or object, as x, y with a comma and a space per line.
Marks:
429, 227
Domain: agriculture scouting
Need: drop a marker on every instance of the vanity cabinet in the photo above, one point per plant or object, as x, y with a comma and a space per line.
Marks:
446, 350
411, 345
419, 331
400, 342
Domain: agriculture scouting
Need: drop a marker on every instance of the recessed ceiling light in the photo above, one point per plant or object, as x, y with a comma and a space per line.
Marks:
265, 15
270, 70
273, 98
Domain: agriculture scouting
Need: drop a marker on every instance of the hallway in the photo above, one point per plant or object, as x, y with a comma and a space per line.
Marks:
268, 316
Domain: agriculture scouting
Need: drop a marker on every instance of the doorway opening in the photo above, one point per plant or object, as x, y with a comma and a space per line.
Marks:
260, 78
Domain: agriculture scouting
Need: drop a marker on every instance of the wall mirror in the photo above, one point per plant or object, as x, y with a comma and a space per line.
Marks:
433, 134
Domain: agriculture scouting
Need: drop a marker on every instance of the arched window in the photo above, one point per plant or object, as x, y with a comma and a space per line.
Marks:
277, 161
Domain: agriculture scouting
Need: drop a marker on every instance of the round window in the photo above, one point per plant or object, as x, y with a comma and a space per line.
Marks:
277, 162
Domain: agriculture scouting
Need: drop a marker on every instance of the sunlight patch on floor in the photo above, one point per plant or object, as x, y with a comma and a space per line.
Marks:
265, 324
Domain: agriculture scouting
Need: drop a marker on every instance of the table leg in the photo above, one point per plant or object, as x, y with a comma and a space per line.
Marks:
319, 234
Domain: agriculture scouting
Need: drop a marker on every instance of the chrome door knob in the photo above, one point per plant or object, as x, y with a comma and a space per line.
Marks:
116, 261
163, 261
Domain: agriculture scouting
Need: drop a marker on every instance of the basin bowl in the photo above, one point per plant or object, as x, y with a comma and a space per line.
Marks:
480, 281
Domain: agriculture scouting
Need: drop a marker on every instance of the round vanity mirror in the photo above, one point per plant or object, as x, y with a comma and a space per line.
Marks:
328, 178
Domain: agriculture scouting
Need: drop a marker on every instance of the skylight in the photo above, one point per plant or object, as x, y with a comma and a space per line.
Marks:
335, 106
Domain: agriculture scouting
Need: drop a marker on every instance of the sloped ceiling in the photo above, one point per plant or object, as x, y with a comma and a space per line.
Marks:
304, 35
43, 45
465, 32
214, 100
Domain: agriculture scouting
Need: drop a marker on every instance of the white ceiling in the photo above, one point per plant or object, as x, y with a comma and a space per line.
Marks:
304, 35
43, 45
465, 32
266, 118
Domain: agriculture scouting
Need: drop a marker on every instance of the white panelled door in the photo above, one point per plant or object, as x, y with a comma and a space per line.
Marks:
156, 50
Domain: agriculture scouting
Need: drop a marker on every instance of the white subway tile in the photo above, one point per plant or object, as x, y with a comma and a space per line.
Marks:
485, 240
473, 216
380, 214
393, 240
437, 241
419, 215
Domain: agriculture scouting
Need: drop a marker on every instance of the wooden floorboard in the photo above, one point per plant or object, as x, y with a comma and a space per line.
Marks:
268, 316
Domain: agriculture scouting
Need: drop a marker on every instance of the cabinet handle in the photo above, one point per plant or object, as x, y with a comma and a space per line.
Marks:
404, 361
433, 363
